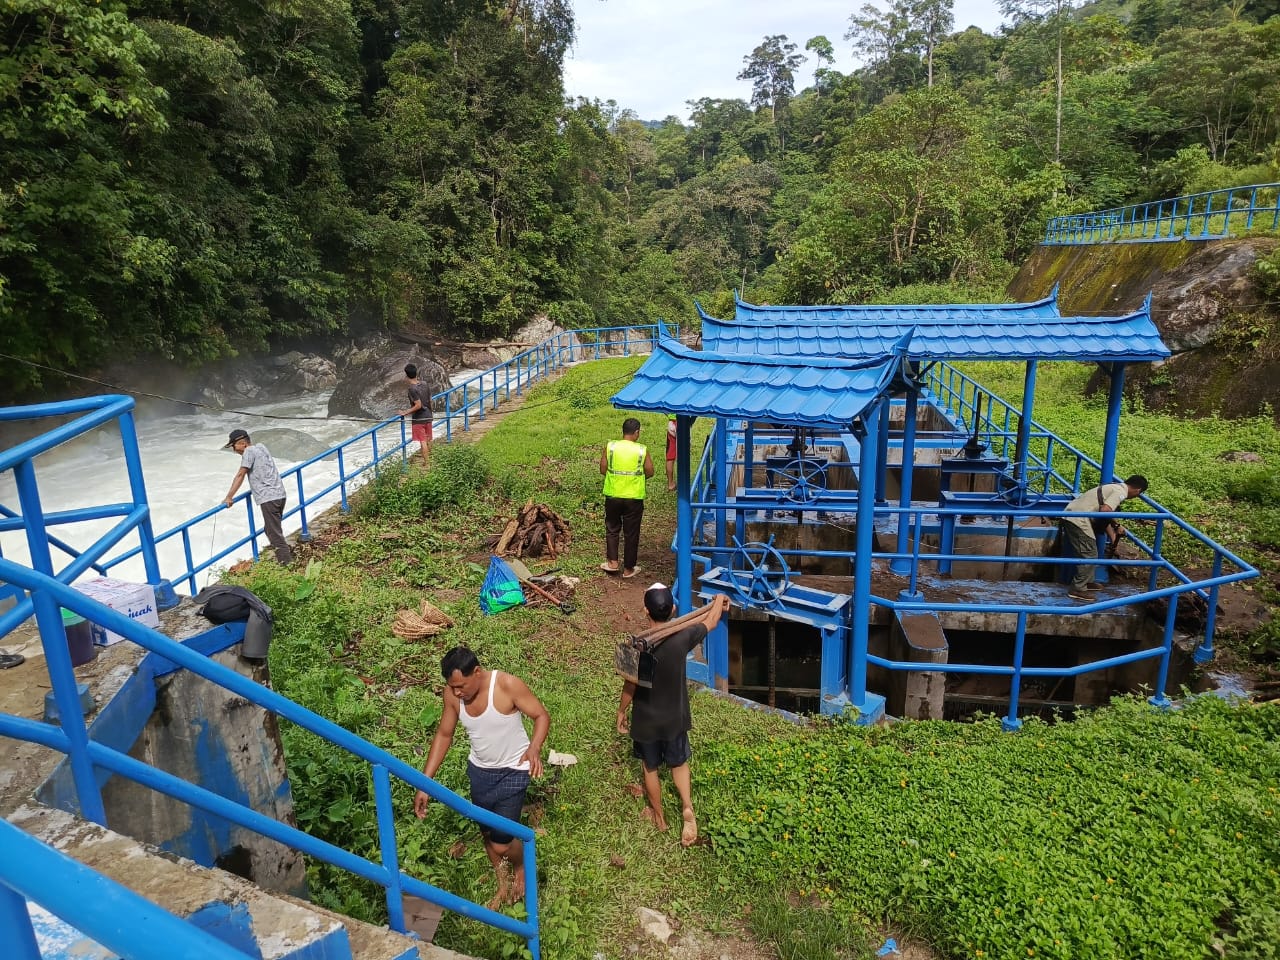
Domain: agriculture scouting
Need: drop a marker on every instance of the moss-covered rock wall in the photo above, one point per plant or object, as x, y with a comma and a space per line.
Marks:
1224, 333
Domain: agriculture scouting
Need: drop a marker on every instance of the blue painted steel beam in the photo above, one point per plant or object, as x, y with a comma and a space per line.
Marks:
720, 469
1115, 403
868, 467
684, 517
97, 906
903, 566
1023, 447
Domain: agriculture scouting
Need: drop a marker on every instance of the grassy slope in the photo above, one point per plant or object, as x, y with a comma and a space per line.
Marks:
1134, 834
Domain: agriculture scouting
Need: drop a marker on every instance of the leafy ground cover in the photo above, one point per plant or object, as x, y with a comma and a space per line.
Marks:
1131, 833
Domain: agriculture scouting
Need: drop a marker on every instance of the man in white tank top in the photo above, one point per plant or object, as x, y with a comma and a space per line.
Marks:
503, 757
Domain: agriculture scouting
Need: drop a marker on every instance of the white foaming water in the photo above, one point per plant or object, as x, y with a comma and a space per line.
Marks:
186, 472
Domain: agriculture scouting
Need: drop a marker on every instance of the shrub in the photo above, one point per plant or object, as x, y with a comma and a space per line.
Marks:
457, 472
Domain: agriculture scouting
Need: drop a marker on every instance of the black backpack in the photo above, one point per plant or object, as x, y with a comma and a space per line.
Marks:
226, 608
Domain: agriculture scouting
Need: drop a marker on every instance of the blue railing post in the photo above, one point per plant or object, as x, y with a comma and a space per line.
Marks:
720, 474
1115, 405
684, 516
531, 897
1011, 721
19, 935
1204, 652
166, 598
868, 705
901, 564
1158, 699
387, 843
342, 484
57, 653
304, 534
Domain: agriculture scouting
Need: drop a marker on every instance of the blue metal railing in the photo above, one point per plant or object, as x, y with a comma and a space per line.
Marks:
42, 590
361, 455
98, 907
1198, 216
84, 755
1055, 472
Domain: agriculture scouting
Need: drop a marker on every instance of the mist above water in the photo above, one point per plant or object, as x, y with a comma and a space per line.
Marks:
186, 472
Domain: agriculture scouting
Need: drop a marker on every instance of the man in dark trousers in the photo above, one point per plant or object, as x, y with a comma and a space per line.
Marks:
266, 486
490, 705
419, 411
1082, 532
660, 720
625, 465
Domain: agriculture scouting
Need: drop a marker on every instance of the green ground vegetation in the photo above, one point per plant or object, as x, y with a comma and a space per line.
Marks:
1129, 833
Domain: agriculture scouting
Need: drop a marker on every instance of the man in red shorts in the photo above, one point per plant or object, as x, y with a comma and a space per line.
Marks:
419, 410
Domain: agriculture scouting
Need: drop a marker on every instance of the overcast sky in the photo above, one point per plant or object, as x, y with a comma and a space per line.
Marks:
653, 55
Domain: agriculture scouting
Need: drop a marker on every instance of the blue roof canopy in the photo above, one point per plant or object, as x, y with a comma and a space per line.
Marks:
813, 391
1046, 308
951, 332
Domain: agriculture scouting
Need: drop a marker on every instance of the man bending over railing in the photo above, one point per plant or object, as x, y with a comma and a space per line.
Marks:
503, 757
1082, 532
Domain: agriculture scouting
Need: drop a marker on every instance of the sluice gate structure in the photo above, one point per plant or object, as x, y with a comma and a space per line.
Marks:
887, 528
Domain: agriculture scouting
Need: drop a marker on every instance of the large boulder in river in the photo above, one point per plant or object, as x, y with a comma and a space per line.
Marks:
372, 383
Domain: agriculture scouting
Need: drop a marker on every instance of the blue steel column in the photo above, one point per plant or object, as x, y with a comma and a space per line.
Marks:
882, 450
905, 521
720, 472
1023, 448
166, 596
748, 454
1115, 401
684, 518
869, 705
16, 924
57, 654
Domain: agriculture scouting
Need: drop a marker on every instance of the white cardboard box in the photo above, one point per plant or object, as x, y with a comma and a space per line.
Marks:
137, 601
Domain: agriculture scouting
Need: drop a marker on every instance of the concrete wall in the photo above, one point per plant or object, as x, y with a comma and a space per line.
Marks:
209, 736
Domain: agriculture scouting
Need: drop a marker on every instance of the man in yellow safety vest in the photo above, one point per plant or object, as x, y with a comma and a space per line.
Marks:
625, 466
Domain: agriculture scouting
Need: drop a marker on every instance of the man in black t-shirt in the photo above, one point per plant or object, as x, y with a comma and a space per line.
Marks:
419, 410
660, 720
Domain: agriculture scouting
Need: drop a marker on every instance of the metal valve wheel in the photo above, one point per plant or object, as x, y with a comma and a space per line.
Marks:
803, 479
760, 573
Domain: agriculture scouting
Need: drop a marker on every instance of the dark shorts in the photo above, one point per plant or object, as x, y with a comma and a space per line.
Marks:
654, 753
421, 432
499, 791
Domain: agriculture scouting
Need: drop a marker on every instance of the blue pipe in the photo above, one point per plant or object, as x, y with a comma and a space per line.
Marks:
20, 935
387, 843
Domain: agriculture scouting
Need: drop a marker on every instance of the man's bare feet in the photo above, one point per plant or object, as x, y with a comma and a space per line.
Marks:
655, 817
503, 895
689, 832
516, 892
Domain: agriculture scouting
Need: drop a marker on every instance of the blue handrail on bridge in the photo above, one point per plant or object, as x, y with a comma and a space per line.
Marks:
1198, 216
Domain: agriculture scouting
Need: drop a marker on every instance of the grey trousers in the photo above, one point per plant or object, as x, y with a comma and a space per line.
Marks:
272, 513
1085, 546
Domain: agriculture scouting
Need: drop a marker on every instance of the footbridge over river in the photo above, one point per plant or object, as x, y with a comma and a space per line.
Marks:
869, 509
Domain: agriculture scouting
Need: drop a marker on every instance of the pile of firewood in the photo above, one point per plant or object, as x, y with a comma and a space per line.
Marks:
536, 531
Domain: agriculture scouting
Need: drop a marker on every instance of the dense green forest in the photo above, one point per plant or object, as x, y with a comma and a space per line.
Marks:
188, 179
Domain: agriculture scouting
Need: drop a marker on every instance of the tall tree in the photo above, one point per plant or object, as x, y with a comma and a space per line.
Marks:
932, 21
771, 68
825, 54
1053, 14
